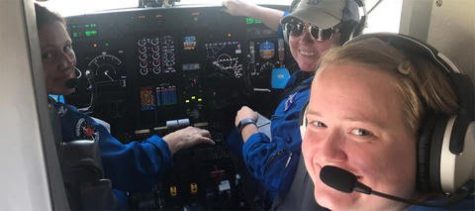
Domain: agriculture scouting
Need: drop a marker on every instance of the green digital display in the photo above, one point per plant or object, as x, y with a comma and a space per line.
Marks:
86, 30
250, 21
90, 33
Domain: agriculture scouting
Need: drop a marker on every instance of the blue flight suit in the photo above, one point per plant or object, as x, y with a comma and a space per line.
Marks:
273, 160
131, 167
467, 203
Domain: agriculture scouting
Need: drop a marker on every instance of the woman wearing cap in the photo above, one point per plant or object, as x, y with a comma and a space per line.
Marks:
312, 27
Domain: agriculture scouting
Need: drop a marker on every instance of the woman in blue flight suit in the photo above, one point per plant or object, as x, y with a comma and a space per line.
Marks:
273, 160
131, 167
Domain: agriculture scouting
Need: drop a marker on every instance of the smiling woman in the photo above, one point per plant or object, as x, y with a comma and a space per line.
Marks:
380, 108
350, 128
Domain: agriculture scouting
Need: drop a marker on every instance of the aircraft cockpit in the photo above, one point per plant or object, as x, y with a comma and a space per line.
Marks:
154, 70
150, 67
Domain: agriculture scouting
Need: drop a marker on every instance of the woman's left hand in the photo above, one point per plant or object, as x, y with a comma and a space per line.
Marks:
243, 113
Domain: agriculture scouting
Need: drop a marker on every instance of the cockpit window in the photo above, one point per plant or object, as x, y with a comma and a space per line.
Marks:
80, 7
277, 2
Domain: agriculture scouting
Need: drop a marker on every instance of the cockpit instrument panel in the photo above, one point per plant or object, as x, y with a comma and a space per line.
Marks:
151, 71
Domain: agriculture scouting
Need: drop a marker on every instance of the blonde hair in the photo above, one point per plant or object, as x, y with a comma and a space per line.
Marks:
422, 84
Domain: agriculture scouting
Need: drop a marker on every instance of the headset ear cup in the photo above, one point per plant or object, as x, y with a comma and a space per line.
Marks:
446, 162
347, 30
423, 154
457, 154
359, 27
428, 159
423, 150
435, 154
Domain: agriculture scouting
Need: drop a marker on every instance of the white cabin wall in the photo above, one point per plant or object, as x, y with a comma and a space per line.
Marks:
448, 25
23, 176
452, 30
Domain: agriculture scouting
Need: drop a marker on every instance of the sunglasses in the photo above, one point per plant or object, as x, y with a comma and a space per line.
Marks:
296, 28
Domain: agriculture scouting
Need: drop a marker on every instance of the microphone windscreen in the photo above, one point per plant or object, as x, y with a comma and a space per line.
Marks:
72, 83
338, 178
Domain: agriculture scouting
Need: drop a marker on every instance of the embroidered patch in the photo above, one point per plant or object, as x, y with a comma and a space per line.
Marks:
84, 130
290, 101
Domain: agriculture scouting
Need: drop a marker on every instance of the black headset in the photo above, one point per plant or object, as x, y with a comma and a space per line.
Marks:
446, 145
349, 29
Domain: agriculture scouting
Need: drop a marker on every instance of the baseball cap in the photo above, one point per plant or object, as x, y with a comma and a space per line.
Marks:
324, 13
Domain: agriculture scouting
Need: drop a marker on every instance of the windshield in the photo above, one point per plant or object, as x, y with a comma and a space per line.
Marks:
385, 17
79, 7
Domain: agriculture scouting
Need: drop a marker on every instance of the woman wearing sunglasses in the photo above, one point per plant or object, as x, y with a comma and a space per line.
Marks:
311, 29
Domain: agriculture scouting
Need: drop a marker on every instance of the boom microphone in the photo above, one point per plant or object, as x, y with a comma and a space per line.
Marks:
346, 181
73, 82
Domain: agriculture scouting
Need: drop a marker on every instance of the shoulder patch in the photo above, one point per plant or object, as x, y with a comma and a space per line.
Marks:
85, 130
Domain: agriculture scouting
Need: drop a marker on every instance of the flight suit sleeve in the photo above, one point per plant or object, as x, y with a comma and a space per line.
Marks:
132, 166
137, 165
274, 161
